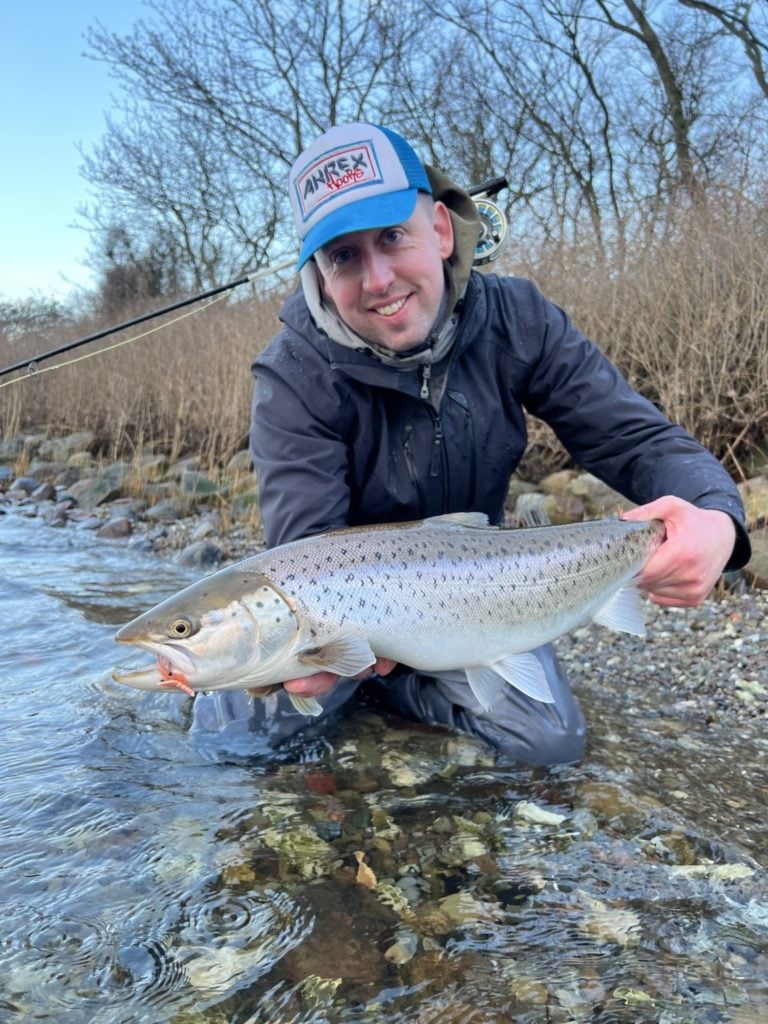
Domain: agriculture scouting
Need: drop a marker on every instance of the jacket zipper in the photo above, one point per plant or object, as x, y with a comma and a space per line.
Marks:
437, 461
437, 451
411, 464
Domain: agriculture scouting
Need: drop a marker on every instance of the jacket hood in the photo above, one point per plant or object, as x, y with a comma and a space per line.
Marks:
466, 232
458, 266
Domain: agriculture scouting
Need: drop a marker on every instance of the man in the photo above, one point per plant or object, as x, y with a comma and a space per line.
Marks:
395, 390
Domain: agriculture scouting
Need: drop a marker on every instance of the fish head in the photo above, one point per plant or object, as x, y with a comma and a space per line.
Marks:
230, 630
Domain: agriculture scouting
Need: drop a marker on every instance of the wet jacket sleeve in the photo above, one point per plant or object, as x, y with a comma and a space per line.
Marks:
615, 433
300, 461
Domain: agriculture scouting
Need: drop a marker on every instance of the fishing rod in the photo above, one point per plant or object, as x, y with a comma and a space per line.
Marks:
32, 363
493, 235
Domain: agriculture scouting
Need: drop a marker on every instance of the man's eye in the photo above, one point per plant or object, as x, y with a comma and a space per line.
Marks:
340, 256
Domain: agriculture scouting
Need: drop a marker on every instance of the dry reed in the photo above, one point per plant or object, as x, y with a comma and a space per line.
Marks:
686, 321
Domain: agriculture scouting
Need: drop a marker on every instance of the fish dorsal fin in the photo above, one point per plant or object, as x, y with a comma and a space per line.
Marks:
345, 654
306, 705
528, 518
623, 612
473, 520
526, 673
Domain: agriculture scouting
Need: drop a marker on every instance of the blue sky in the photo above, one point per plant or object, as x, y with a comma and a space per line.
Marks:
52, 99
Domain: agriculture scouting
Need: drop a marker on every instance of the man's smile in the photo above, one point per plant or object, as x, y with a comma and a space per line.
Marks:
391, 308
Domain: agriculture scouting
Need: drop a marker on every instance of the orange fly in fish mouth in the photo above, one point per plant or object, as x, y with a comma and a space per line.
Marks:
172, 677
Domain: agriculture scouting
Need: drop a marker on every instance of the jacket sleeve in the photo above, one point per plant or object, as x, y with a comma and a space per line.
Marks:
615, 433
299, 456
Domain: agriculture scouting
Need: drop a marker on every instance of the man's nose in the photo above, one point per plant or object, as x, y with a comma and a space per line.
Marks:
377, 272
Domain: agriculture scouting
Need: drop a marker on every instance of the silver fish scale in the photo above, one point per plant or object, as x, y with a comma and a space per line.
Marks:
442, 577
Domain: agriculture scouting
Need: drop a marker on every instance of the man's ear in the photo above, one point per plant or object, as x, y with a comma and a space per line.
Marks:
443, 225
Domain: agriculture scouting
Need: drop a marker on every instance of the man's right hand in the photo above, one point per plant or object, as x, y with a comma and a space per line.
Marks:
322, 682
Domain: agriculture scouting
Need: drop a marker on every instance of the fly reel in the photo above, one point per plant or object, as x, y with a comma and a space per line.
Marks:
493, 222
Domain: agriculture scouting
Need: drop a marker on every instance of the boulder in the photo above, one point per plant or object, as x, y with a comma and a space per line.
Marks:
599, 499
200, 555
45, 492
60, 449
43, 471
193, 482
240, 462
756, 571
558, 482
93, 491
11, 448
116, 527
27, 484
754, 494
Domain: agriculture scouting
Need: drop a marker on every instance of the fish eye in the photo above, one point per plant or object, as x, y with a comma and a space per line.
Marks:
181, 628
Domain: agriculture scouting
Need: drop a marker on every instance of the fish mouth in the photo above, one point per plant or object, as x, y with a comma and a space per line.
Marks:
163, 675
147, 678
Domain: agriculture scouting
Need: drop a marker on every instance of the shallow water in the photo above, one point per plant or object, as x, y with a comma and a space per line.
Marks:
144, 880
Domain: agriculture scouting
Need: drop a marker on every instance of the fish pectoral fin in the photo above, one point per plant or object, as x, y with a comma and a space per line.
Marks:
623, 613
485, 684
306, 705
345, 654
526, 673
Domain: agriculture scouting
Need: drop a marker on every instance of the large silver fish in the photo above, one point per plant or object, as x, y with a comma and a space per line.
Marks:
442, 594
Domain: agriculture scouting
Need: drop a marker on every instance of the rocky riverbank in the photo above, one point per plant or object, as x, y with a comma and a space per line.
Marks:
720, 661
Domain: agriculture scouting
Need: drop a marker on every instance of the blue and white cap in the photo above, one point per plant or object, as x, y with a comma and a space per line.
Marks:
354, 177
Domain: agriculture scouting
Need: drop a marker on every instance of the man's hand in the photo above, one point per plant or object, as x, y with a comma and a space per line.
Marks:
686, 567
322, 682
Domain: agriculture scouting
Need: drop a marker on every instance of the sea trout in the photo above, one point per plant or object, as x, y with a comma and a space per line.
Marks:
441, 594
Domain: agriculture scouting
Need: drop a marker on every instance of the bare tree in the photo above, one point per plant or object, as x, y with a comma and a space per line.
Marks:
601, 113
221, 98
735, 19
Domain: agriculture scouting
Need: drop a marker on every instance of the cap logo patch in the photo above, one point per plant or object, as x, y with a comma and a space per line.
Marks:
334, 173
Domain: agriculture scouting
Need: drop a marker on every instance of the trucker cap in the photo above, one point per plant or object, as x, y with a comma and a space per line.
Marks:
353, 177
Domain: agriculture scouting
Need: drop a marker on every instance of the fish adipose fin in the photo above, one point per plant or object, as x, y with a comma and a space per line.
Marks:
523, 671
345, 654
624, 612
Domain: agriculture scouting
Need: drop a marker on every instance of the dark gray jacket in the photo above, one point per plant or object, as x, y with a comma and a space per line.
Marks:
338, 438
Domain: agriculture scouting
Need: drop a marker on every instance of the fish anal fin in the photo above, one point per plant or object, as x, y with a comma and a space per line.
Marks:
485, 684
526, 673
623, 612
345, 654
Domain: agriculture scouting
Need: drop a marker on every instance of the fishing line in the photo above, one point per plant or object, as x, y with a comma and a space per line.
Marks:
31, 364
33, 371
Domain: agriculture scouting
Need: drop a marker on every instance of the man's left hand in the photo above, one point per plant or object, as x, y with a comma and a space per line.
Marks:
698, 544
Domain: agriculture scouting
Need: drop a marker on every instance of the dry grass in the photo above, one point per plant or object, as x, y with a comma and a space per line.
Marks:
182, 390
687, 322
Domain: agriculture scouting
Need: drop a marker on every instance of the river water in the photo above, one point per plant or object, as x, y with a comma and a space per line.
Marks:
146, 881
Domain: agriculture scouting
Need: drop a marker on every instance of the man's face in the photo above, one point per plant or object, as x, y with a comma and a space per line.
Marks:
387, 283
